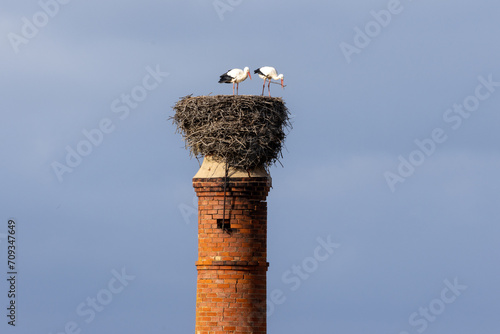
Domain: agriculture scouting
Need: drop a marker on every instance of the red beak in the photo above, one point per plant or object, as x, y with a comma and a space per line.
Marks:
282, 84
249, 76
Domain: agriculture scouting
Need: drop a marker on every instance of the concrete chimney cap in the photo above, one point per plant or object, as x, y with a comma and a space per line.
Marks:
210, 168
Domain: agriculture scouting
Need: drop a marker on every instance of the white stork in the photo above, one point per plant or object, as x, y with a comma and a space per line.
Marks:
235, 76
268, 72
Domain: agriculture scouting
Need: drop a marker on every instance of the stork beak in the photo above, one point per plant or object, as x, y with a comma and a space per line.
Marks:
249, 75
282, 84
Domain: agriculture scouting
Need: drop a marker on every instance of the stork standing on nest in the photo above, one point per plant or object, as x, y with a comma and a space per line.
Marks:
268, 72
235, 76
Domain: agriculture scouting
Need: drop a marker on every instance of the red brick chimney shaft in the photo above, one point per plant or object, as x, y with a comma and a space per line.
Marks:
232, 262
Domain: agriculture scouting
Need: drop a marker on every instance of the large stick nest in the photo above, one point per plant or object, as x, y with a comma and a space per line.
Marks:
244, 131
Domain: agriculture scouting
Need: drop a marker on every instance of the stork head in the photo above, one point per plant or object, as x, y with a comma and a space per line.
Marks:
247, 71
282, 78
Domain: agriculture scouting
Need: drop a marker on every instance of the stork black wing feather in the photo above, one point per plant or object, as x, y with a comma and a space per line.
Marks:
257, 71
225, 78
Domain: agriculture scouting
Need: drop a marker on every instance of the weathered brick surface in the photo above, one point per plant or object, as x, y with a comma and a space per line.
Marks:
232, 265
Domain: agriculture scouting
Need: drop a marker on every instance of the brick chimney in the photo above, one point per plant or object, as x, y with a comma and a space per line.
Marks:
232, 250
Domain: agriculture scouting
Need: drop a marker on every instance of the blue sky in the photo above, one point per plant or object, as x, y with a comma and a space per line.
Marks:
393, 157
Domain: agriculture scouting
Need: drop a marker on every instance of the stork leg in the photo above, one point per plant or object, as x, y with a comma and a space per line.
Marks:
269, 87
264, 86
233, 88
237, 87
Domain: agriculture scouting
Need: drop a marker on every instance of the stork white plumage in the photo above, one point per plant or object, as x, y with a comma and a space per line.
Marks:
268, 73
235, 76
